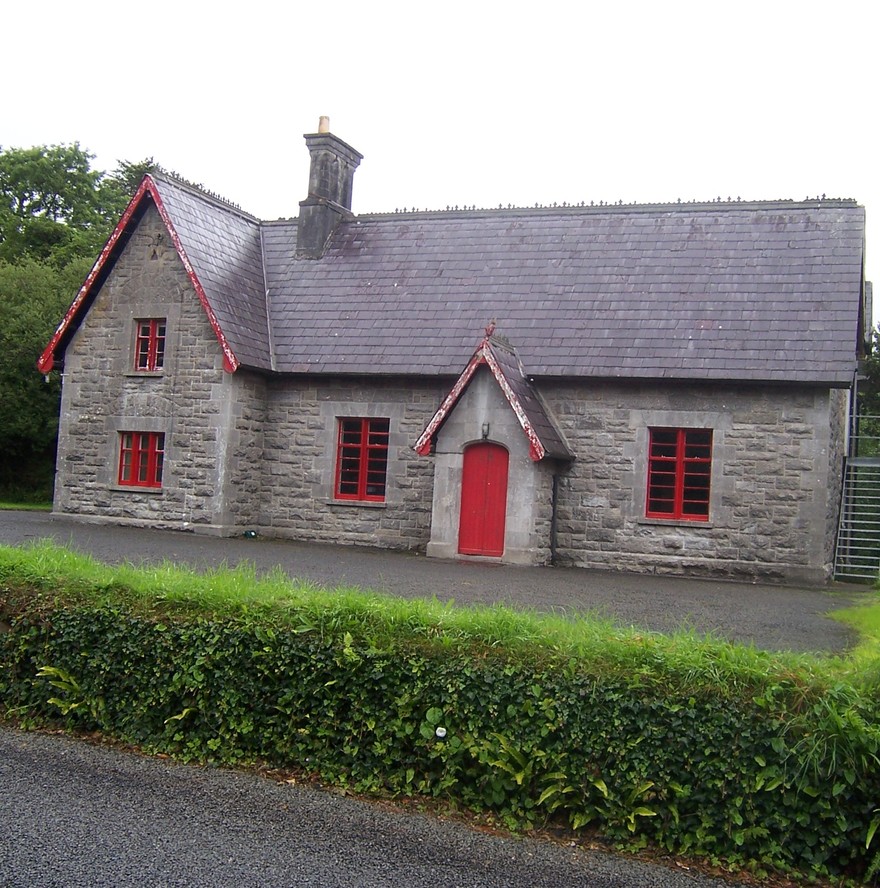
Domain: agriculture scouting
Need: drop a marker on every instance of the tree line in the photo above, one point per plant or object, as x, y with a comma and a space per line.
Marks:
56, 212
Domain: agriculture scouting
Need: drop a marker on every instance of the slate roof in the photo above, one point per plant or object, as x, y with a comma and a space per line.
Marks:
765, 291
224, 246
543, 429
754, 292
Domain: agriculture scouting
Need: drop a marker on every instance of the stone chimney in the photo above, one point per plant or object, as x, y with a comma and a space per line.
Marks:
329, 200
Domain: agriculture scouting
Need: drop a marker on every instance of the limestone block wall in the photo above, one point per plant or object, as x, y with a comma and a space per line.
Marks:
299, 461
777, 457
249, 451
192, 400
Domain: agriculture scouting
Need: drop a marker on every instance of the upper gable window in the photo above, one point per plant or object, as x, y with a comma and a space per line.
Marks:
679, 474
149, 352
362, 459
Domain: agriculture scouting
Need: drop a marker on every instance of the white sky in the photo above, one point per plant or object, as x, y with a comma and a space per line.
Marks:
462, 102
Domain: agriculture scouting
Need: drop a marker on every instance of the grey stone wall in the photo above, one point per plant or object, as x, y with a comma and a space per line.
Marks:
247, 451
299, 462
192, 400
776, 466
240, 452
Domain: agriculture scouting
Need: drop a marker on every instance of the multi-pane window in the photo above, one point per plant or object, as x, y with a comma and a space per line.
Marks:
362, 459
141, 458
679, 474
149, 351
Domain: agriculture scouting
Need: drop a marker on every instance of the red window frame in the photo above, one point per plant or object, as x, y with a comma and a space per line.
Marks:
141, 459
679, 474
361, 459
149, 345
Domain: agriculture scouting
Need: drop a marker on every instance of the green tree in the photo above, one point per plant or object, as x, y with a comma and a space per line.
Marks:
33, 297
869, 400
55, 207
56, 212
127, 176
49, 203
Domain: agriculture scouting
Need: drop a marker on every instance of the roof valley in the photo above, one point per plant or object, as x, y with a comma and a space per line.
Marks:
268, 291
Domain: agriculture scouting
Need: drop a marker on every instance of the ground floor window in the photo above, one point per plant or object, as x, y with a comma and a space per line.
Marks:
362, 459
679, 474
141, 458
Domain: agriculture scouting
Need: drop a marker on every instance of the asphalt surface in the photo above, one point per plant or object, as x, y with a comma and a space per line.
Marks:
76, 814
769, 616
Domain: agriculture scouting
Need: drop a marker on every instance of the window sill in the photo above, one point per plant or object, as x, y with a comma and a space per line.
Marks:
134, 488
363, 504
149, 374
674, 522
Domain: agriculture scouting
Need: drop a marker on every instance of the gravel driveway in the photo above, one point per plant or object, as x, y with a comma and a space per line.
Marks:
769, 616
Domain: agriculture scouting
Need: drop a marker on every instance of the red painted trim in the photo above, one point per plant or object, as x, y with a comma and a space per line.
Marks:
536, 448
47, 359
148, 186
423, 445
230, 362
483, 355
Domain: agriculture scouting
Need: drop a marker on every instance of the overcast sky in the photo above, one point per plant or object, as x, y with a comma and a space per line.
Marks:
482, 103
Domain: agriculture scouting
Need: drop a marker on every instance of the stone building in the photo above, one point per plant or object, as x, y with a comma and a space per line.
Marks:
646, 387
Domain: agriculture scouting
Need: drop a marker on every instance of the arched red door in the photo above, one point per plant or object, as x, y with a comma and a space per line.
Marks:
483, 500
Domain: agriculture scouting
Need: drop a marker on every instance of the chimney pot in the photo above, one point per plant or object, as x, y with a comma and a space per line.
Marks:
323, 124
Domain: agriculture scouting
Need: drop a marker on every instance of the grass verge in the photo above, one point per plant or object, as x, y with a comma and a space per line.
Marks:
686, 742
25, 507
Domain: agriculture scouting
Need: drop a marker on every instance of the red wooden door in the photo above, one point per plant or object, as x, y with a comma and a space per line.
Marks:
483, 500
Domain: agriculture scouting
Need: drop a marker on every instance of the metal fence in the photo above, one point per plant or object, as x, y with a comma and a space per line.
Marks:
857, 555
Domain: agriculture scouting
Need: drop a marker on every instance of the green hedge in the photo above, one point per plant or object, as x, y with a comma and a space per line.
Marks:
726, 754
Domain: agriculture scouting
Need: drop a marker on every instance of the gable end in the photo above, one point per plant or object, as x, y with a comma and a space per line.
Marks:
544, 439
148, 192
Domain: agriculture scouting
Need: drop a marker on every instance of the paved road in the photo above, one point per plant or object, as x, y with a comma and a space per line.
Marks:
74, 814
772, 617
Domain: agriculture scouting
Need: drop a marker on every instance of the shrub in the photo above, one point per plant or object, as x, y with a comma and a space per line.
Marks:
689, 743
